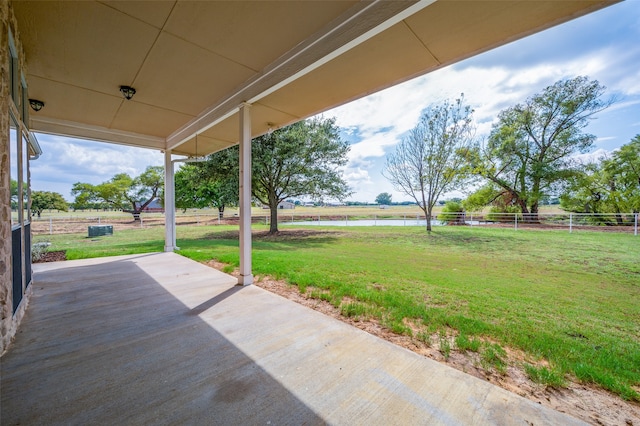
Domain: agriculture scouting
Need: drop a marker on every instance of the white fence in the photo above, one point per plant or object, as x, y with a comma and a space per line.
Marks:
571, 222
623, 222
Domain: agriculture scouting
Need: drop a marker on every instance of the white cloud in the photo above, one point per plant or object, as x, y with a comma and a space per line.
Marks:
592, 157
65, 161
355, 176
623, 105
605, 138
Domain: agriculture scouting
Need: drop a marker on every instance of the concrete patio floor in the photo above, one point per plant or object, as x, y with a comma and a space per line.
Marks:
160, 339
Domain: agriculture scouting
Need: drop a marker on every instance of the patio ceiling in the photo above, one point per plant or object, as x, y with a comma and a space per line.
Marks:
193, 62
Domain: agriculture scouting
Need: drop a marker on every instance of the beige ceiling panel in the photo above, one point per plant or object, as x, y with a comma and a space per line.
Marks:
455, 30
204, 146
252, 33
384, 60
146, 119
63, 101
262, 118
227, 130
153, 12
185, 78
86, 44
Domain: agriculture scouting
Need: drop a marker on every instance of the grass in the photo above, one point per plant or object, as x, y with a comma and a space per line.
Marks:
464, 343
493, 356
545, 376
572, 300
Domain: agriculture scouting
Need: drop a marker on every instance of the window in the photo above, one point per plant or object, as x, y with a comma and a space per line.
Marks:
24, 103
24, 169
14, 165
13, 71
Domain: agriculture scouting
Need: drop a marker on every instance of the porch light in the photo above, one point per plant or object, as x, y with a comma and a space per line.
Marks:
36, 105
127, 92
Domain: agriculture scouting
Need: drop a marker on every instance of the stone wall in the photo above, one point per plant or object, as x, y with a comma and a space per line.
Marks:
8, 321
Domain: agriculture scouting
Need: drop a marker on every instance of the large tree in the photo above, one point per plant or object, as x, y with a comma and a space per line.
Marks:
610, 186
624, 170
41, 200
429, 161
587, 191
122, 192
383, 198
303, 159
529, 152
212, 183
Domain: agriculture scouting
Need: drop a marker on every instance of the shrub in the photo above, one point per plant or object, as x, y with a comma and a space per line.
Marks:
38, 250
452, 213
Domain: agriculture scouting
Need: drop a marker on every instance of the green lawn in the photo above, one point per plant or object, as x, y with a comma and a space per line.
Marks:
570, 299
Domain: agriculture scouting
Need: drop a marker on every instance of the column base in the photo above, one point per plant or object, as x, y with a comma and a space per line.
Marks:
245, 279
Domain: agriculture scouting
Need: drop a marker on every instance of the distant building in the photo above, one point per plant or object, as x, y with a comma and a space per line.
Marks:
154, 207
286, 205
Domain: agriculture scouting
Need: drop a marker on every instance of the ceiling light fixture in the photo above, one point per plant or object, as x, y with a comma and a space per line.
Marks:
36, 105
127, 92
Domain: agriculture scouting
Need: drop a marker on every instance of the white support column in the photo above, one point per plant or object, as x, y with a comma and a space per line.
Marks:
246, 276
169, 205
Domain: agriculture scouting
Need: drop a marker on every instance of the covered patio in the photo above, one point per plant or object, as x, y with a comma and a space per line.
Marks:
192, 78
161, 339
158, 338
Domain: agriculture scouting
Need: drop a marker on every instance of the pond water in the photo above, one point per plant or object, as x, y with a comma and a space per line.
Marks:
370, 222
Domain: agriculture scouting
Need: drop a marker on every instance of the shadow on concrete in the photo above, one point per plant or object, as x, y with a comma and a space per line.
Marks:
215, 300
107, 344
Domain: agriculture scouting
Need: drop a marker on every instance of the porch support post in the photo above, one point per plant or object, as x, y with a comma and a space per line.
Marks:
169, 205
246, 277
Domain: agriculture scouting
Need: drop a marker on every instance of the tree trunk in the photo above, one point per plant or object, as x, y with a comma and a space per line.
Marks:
221, 212
619, 219
529, 215
427, 214
273, 225
532, 216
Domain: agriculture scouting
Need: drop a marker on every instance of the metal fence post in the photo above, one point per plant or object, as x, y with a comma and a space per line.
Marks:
405, 220
570, 223
515, 215
375, 220
51, 225
635, 226
346, 220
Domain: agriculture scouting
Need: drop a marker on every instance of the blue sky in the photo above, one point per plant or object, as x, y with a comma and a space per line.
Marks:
604, 45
